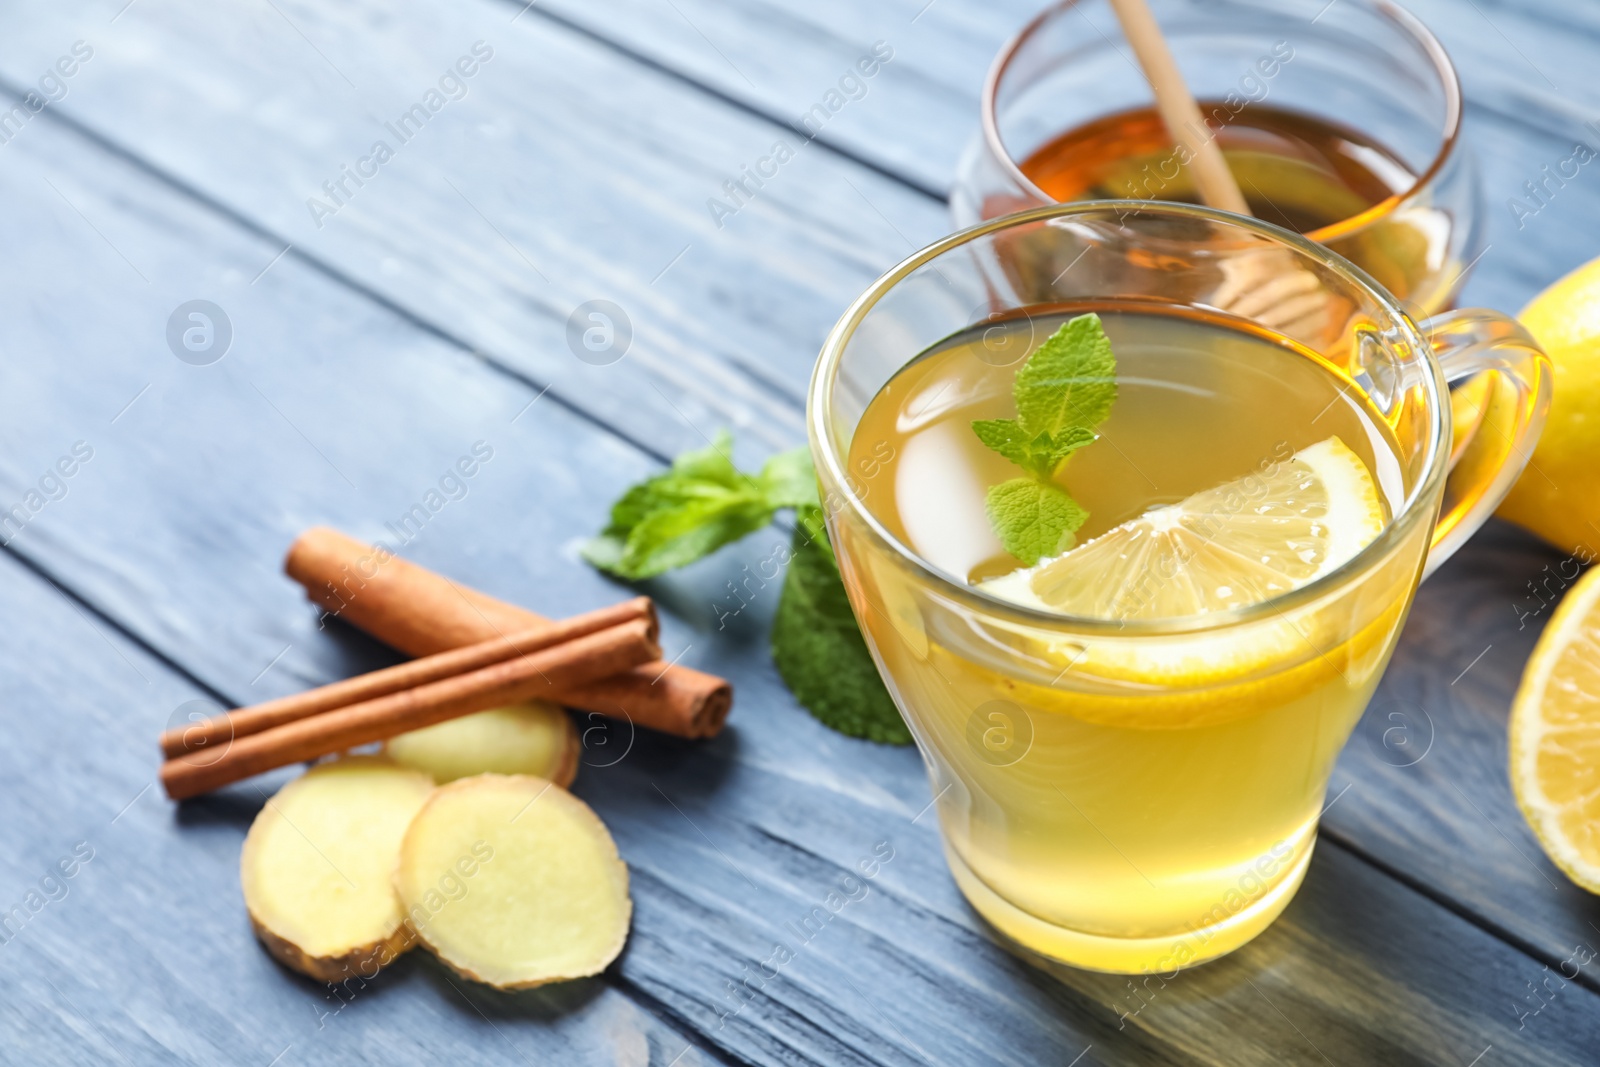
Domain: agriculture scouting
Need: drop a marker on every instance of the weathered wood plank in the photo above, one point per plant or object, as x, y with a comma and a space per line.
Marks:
1523, 60
332, 409
1522, 66
565, 174
913, 118
142, 954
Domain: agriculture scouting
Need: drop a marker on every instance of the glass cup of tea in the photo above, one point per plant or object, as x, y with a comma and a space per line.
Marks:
1120, 785
1340, 121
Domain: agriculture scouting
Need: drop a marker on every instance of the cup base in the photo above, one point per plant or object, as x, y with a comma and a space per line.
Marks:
1046, 944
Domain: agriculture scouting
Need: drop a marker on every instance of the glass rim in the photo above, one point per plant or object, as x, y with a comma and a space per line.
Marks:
820, 418
1403, 20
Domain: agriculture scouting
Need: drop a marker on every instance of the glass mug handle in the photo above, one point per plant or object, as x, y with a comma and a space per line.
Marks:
1497, 416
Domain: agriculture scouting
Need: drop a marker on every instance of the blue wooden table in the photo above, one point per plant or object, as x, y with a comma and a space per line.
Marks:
379, 329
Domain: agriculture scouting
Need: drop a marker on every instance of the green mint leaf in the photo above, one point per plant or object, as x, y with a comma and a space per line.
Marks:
820, 653
789, 481
634, 506
1062, 445
688, 512
811, 522
1039, 454
1007, 437
711, 463
1062, 392
1069, 381
703, 503
677, 536
1033, 518
671, 520
605, 551
608, 550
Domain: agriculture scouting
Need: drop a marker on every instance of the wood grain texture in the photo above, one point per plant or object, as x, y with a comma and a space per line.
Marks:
1519, 59
1523, 68
332, 409
562, 154
779, 58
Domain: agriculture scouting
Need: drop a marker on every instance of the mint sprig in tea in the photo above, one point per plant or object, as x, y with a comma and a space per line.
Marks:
1063, 391
1118, 412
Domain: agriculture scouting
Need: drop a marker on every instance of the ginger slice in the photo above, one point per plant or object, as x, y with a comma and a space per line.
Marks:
513, 881
535, 738
318, 867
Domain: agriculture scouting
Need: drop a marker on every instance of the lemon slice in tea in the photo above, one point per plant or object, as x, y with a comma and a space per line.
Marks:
1555, 736
1238, 544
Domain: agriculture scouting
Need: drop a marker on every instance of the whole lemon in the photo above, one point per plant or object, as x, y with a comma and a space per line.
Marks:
1558, 496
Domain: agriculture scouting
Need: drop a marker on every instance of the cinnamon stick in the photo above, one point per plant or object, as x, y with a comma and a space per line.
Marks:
420, 612
241, 722
551, 670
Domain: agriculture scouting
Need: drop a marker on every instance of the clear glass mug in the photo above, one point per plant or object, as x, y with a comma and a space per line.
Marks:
1366, 65
1100, 803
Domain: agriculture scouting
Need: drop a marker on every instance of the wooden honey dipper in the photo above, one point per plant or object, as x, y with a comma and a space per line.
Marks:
1267, 286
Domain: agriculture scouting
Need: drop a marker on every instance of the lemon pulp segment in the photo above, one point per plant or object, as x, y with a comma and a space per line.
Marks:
1240, 543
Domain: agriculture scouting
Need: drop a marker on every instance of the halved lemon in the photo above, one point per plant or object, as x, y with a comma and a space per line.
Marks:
1555, 736
1240, 543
